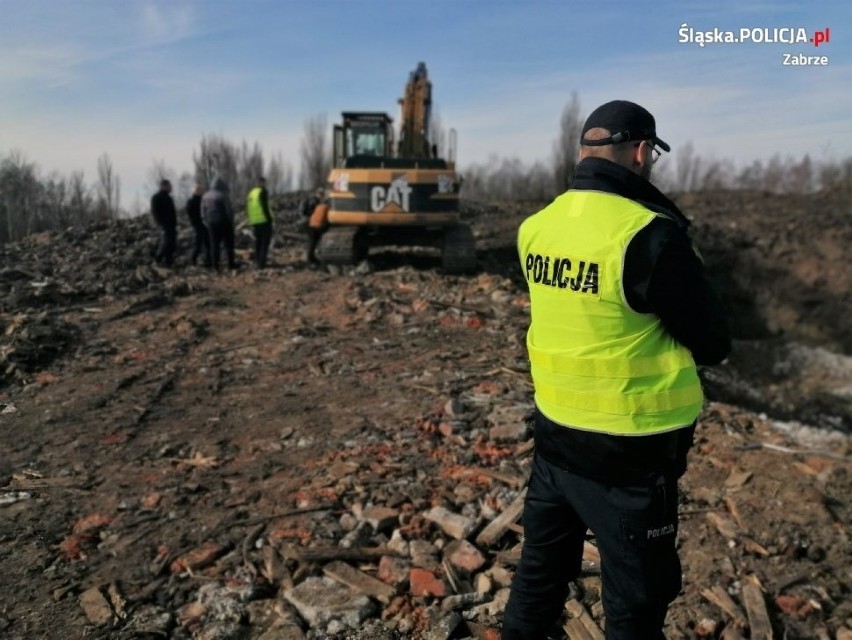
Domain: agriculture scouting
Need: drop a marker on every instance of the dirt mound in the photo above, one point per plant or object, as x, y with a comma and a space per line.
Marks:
295, 453
781, 262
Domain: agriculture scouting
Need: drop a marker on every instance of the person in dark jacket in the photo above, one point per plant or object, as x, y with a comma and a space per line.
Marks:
621, 314
260, 219
200, 231
218, 214
163, 211
314, 230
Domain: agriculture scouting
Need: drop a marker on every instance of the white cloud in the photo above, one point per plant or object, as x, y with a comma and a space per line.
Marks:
48, 64
161, 23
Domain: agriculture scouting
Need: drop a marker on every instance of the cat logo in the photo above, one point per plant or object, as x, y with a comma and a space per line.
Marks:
393, 199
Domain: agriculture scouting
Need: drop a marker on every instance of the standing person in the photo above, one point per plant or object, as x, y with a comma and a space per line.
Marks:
621, 313
202, 234
218, 213
259, 217
163, 210
315, 210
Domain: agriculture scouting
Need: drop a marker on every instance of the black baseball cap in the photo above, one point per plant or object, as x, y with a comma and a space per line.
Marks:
625, 121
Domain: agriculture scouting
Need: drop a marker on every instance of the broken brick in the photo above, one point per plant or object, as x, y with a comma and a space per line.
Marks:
393, 571
198, 558
425, 583
463, 555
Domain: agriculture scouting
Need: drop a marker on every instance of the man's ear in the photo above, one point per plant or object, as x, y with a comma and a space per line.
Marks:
639, 155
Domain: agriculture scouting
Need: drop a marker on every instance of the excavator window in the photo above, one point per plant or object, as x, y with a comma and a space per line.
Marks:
369, 142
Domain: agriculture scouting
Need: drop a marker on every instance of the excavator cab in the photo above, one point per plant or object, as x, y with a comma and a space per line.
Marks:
383, 191
362, 134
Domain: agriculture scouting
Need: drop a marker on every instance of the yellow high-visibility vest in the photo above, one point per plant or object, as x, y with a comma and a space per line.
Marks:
254, 210
597, 364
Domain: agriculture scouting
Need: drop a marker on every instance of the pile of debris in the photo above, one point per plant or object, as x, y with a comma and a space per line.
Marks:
28, 343
413, 536
306, 454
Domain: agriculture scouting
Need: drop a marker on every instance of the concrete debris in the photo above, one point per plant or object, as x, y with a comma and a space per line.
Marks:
96, 607
322, 600
453, 524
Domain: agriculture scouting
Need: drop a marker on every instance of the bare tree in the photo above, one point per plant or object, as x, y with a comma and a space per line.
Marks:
249, 168
315, 153
801, 178
79, 199
54, 200
19, 192
108, 187
539, 183
216, 157
567, 146
183, 188
157, 172
279, 174
688, 168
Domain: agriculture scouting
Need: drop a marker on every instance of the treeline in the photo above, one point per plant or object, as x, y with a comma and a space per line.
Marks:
239, 164
511, 179
501, 178
31, 202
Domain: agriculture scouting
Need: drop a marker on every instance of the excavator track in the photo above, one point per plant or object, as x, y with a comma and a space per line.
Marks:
458, 249
342, 245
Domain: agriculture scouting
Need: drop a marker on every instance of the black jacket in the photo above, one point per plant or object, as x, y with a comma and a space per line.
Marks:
163, 210
193, 211
663, 275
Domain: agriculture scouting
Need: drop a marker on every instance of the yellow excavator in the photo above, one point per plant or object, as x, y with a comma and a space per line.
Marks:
389, 190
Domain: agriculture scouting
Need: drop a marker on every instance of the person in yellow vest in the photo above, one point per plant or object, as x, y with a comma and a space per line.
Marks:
621, 314
260, 219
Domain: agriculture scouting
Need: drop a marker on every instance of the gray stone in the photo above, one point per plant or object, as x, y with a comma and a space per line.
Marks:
454, 525
443, 627
321, 600
507, 422
222, 631
509, 432
284, 631
151, 619
424, 554
464, 600
398, 544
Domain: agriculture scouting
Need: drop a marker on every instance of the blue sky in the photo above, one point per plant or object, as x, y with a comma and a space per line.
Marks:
143, 80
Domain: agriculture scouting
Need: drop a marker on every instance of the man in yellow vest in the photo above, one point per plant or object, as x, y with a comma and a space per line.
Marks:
621, 313
260, 219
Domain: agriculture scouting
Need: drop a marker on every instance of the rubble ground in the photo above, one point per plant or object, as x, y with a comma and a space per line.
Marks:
295, 453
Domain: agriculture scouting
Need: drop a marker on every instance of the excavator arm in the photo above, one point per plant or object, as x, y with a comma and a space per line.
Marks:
415, 115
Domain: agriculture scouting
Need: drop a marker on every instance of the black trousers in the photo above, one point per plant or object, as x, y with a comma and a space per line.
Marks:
262, 240
221, 232
202, 244
314, 235
635, 528
168, 242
